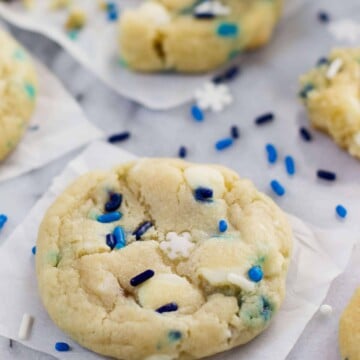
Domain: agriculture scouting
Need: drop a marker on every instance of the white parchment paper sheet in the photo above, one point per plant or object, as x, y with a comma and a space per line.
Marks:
57, 126
96, 48
319, 256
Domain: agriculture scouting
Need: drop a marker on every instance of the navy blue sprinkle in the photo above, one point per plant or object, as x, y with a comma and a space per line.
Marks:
142, 277
33, 250
265, 118
110, 241
326, 175
207, 15
182, 152
305, 134
322, 61
62, 346
305, 90
142, 229
119, 137
323, 16
114, 203
203, 194
234, 131
167, 308
227, 75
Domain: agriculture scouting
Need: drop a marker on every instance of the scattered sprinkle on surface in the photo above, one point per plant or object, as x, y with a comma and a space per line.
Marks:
290, 165
33, 250
3, 220
62, 346
227, 75
119, 137
234, 132
223, 144
323, 16
341, 211
326, 309
264, 119
25, 326
271, 153
277, 188
305, 134
326, 175
197, 114
182, 152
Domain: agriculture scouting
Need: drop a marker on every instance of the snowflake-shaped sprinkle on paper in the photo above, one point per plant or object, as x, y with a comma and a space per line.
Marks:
177, 245
345, 30
213, 97
212, 7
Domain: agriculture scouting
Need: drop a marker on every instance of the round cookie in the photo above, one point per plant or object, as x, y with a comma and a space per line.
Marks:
156, 257
193, 36
330, 93
18, 85
349, 329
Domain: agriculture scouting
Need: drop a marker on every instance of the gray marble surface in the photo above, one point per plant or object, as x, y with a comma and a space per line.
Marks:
161, 134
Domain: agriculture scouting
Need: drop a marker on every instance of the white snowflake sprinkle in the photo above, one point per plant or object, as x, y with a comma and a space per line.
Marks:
334, 68
213, 97
326, 309
177, 245
212, 7
345, 30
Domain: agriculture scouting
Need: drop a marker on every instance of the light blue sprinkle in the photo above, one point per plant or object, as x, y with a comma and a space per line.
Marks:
290, 165
3, 220
30, 90
224, 143
227, 30
73, 34
19, 54
341, 211
197, 114
271, 153
223, 226
120, 237
255, 273
277, 188
109, 217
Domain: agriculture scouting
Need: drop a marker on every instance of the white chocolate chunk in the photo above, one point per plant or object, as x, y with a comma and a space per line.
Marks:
218, 276
155, 13
241, 282
25, 326
177, 246
334, 68
357, 138
204, 176
214, 7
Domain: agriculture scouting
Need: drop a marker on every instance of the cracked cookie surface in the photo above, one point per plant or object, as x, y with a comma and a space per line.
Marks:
132, 263
18, 83
193, 36
331, 94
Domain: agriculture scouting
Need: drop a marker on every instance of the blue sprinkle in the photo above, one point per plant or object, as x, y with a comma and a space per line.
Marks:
234, 131
73, 34
33, 250
323, 16
322, 61
203, 194
224, 144
223, 226
341, 211
326, 175
120, 237
267, 309
305, 134
227, 30
290, 165
271, 153
255, 274
167, 308
305, 90
182, 152
112, 11
30, 90
277, 188
33, 127
142, 277
197, 113
114, 203
265, 118
204, 15
110, 241
227, 75
142, 229
109, 217
62, 346
119, 137
174, 335
3, 220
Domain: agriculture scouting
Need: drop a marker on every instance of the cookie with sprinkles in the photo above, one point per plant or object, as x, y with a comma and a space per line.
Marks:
349, 329
18, 87
163, 259
330, 93
194, 36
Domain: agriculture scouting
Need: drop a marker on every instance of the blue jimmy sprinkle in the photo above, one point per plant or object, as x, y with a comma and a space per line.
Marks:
167, 308
114, 202
109, 217
234, 132
223, 226
323, 16
110, 241
142, 277
112, 11
204, 15
119, 137
197, 114
277, 188
224, 144
142, 229
33, 250
120, 237
182, 152
322, 61
305, 90
203, 194
62, 346
3, 220
326, 175
341, 211
174, 335
264, 119
305, 134
227, 30
33, 127
255, 273
271, 153
290, 165
227, 75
